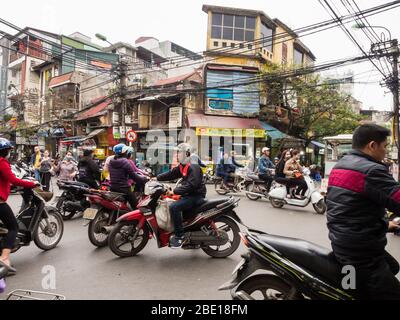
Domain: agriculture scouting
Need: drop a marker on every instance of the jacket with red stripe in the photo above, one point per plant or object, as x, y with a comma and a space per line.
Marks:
192, 180
359, 190
8, 178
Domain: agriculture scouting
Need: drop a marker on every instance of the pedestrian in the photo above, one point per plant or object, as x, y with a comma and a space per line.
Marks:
46, 166
360, 191
35, 162
66, 169
89, 172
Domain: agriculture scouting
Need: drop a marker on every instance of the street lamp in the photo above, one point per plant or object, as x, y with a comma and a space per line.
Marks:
103, 38
363, 26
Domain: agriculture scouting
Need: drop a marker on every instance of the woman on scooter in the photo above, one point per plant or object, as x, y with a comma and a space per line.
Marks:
294, 171
7, 178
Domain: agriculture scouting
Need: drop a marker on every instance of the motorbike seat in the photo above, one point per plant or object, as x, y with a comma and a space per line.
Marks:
316, 259
209, 204
75, 183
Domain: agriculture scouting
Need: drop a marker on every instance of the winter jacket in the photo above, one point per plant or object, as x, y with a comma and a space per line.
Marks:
192, 180
88, 169
65, 169
264, 164
121, 172
225, 167
359, 190
7, 178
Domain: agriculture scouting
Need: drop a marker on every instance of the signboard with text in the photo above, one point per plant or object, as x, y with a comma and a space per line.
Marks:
218, 132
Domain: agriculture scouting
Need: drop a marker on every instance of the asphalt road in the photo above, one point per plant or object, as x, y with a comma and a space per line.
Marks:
85, 272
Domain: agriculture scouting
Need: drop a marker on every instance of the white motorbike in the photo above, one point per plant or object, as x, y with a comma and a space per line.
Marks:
279, 196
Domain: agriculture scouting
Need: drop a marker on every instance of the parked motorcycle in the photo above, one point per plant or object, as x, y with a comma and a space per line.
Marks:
279, 196
211, 226
240, 183
36, 221
280, 268
106, 207
21, 171
257, 189
72, 201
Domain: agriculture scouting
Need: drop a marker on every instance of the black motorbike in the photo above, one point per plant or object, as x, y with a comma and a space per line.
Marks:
36, 221
280, 268
73, 200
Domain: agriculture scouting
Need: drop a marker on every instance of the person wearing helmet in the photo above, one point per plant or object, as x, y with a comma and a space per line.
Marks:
192, 190
121, 171
264, 168
89, 172
139, 187
7, 178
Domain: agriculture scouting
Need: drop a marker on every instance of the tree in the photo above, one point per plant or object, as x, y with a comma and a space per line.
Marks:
316, 108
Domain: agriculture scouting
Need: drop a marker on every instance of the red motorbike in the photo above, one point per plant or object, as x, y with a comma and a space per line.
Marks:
211, 227
106, 208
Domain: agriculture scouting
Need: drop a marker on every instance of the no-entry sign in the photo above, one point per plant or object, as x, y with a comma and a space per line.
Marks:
131, 136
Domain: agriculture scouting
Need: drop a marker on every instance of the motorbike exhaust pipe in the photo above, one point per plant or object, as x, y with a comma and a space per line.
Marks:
255, 194
106, 229
241, 295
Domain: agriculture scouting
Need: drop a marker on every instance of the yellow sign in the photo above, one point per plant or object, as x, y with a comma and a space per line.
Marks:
218, 132
100, 153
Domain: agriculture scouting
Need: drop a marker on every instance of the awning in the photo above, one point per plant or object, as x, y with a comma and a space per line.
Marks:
61, 80
95, 111
83, 138
157, 97
318, 144
274, 133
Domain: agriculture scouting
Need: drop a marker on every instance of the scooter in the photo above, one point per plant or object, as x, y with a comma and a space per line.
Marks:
240, 183
280, 268
73, 200
257, 189
279, 196
211, 227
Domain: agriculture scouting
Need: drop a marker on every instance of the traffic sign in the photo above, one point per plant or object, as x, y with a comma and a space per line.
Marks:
131, 136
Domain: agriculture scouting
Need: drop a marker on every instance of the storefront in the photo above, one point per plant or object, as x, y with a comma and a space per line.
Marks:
217, 135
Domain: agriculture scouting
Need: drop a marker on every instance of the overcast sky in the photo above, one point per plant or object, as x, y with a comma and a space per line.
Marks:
184, 22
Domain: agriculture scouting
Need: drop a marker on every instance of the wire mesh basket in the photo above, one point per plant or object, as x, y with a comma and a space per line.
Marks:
33, 295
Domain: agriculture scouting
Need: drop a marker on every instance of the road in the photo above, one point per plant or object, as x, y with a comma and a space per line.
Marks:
84, 272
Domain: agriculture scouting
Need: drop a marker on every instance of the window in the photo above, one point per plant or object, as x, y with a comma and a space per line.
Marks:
266, 36
215, 43
284, 53
232, 45
232, 27
297, 57
224, 44
249, 46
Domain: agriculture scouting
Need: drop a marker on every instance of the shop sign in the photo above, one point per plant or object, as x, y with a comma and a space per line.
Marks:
116, 133
122, 131
175, 117
128, 118
218, 132
100, 153
115, 117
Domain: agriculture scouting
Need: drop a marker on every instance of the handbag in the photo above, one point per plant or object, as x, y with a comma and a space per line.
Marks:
163, 216
298, 175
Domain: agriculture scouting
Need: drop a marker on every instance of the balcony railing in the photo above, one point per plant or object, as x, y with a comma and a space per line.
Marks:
15, 56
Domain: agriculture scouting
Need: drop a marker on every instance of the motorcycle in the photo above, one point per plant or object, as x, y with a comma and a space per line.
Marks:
36, 221
280, 268
211, 226
106, 207
240, 183
279, 196
21, 171
257, 189
73, 200
209, 177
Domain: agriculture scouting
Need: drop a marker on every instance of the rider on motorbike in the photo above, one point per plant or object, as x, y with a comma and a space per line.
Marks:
89, 172
121, 171
264, 166
360, 189
192, 191
225, 169
6, 215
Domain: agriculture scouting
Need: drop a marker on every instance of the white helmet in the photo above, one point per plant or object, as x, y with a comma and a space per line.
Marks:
186, 149
265, 149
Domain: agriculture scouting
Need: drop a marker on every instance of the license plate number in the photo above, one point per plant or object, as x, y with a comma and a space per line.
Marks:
90, 213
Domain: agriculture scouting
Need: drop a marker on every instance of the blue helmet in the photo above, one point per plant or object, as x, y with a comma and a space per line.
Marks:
120, 149
5, 144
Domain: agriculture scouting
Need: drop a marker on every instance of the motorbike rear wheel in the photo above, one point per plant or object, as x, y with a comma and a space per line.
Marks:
320, 207
234, 239
125, 234
49, 233
252, 187
96, 235
277, 203
267, 287
66, 215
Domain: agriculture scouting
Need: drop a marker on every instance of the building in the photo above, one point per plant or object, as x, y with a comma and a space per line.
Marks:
178, 60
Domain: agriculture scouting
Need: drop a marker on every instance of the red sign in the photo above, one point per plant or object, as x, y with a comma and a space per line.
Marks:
131, 136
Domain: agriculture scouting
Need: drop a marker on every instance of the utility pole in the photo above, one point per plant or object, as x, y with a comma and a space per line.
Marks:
123, 87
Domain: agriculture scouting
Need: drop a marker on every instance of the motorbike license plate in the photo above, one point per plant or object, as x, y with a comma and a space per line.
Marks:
90, 213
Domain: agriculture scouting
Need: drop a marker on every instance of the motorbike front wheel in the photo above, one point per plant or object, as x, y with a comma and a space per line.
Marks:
267, 287
49, 231
320, 207
231, 228
97, 236
125, 240
253, 187
219, 189
66, 215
